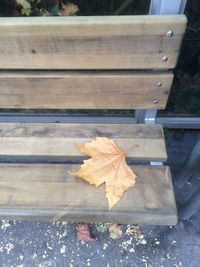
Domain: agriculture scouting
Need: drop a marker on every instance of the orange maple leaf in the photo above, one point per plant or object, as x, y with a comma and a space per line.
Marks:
106, 165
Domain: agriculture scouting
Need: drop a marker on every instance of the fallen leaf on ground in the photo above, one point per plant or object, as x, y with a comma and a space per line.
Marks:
134, 230
83, 232
115, 231
106, 165
68, 9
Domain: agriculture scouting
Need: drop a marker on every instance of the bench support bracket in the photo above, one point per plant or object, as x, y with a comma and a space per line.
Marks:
146, 116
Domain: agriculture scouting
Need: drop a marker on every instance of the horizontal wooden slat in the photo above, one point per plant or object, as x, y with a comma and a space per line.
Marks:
143, 142
116, 42
87, 90
49, 192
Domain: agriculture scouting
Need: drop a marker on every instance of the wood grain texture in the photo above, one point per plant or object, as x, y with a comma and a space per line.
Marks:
84, 90
116, 42
48, 192
143, 142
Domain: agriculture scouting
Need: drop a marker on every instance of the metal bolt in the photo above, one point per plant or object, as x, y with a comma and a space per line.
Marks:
159, 84
164, 59
170, 34
155, 101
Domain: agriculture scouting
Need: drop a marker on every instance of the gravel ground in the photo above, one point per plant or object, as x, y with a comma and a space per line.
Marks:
39, 244
54, 244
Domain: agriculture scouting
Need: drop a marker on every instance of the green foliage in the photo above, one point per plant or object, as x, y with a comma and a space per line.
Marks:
102, 228
86, 7
29, 7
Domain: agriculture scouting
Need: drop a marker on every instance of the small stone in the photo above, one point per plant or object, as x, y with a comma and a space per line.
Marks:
63, 249
129, 241
168, 256
157, 242
34, 255
5, 224
9, 247
21, 257
64, 233
124, 245
105, 246
143, 242
132, 250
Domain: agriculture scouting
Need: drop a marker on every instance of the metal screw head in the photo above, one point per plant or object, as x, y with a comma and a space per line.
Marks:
170, 34
159, 84
164, 59
155, 101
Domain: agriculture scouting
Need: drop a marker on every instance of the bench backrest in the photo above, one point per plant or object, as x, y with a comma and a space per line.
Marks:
88, 62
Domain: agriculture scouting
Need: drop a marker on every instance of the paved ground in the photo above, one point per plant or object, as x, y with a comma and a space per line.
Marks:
34, 244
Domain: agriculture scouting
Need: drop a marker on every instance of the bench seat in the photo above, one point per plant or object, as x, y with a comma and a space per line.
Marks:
46, 192
33, 187
53, 140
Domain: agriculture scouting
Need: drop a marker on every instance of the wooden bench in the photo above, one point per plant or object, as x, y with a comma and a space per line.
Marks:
85, 63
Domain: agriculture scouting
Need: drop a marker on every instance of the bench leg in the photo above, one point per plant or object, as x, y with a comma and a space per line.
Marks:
145, 116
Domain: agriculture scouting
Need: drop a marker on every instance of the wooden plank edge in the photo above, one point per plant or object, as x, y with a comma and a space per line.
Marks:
72, 216
179, 22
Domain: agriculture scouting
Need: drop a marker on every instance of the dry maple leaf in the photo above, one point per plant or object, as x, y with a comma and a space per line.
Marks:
106, 165
68, 9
